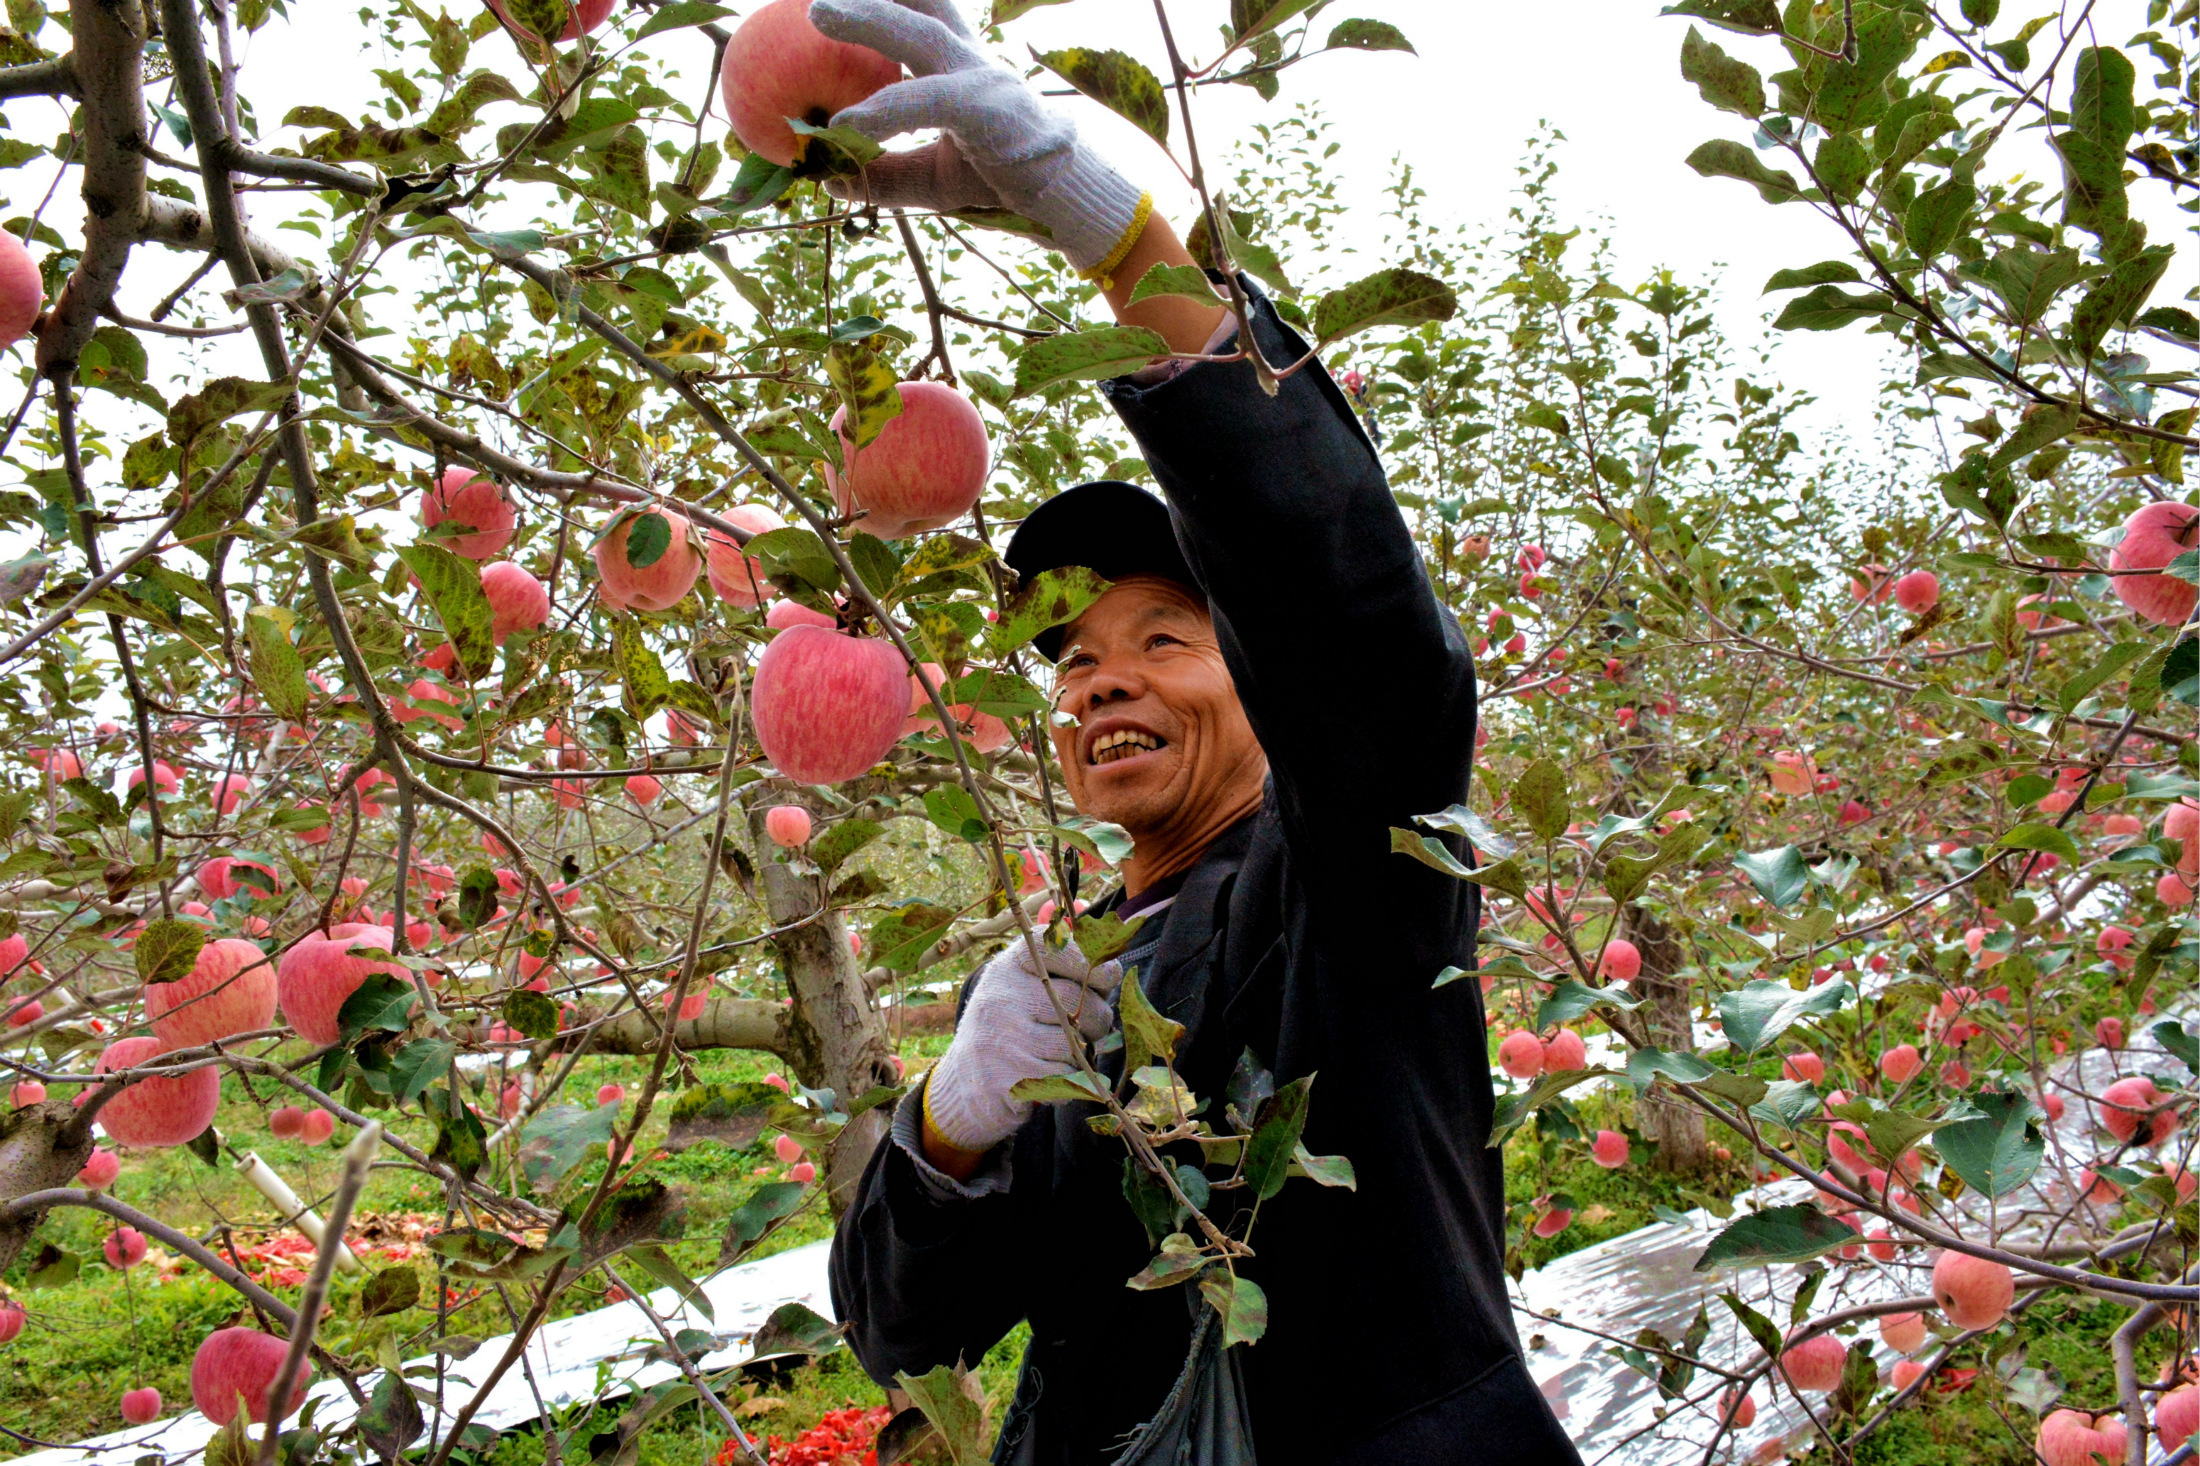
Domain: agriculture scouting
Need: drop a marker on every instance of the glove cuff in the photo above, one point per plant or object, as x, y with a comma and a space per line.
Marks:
967, 1128
1096, 213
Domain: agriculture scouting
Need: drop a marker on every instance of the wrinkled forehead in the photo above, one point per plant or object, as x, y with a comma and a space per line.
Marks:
1134, 604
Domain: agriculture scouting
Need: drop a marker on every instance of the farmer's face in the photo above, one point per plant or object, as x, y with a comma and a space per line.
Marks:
1159, 743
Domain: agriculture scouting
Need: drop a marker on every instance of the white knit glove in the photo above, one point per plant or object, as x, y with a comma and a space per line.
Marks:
1001, 147
1008, 1032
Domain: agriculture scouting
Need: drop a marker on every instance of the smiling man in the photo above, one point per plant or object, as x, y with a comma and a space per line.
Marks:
1266, 689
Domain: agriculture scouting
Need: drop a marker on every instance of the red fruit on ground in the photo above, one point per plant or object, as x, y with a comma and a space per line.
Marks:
1609, 1149
1565, 1053
610, 1094
161, 1111
1973, 1291
230, 990
1805, 1066
925, 469
22, 291
787, 1148
1905, 1333
477, 505
124, 1247
1622, 960
788, 825
643, 789
1815, 1363
659, 585
320, 972
1917, 592
234, 1363
778, 65
828, 706
319, 1126
100, 1168
1520, 1054
2134, 1110
517, 601
2153, 537
286, 1122
739, 579
140, 1406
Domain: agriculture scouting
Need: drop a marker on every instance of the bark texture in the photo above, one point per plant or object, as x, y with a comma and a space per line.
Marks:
1677, 1126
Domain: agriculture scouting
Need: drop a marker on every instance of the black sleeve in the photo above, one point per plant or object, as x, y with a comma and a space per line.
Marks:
921, 1266
1357, 681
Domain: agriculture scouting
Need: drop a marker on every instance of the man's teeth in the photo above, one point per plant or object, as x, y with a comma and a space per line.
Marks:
1122, 744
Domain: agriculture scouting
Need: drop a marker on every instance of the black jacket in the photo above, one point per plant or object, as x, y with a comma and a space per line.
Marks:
1300, 936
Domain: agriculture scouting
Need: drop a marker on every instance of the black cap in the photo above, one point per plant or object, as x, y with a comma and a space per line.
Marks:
1111, 528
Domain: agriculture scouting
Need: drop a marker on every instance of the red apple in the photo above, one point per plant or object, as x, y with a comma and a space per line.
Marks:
1565, 1053
643, 789
230, 989
286, 1122
659, 585
140, 1406
1900, 1062
165, 778
1609, 1149
788, 825
408, 709
2177, 1416
782, 614
1907, 1372
319, 973
1622, 960
828, 706
11, 1320
478, 504
1520, 1054
1905, 1333
1973, 1291
22, 291
2126, 1106
802, 1173
218, 877
1917, 592
585, 15
1805, 1066
319, 1126
164, 1110
1740, 1412
737, 578
924, 470
1815, 1363
517, 601
610, 1094
778, 66
234, 1363
124, 1247
29, 1092
787, 1148
100, 1169
2153, 537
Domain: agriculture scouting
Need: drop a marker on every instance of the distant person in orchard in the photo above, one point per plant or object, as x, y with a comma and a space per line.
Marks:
1268, 687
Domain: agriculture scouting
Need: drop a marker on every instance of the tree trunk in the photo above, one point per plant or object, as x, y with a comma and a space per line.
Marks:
834, 1036
1676, 1125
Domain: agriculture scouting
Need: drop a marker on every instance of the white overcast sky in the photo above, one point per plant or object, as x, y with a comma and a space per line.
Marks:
1605, 73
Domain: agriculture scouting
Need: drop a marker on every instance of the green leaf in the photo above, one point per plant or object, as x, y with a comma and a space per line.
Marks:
452, 584
2041, 426
1275, 1139
648, 536
1189, 281
2112, 661
1178, 1258
1777, 1234
1250, 18
1999, 1151
1368, 35
1513, 1110
1728, 84
1148, 1036
1842, 165
641, 672
1392, 297
951, 808
1242, 1304
1049, 599
390, 1422
2179, 1044
1101, 937
1890, 1131
1932, 223
2040, 837
1829, 308
1541, 797
1724, 158
1003, 694
1830, 272
643, 1209
957, 1419
795, 1328
1570, 999
167, 950
752, 1218
1080, 356
1759, 1012
217, 402
867, 388
1327, 1170
1747, 17
381, 1002
1780, 876
732, 1115
1644, 1064
477, 895
392, 1290
1118, 82
532, 1013
842, 839
277, 670
659, 1264
1058, 1088
680, 14
2112, 301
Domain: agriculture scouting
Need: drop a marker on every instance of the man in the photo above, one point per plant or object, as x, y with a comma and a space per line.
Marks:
1267, 688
